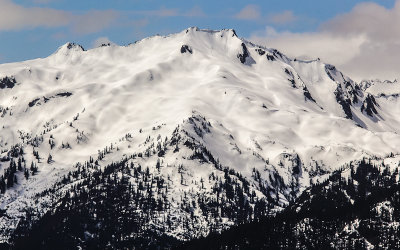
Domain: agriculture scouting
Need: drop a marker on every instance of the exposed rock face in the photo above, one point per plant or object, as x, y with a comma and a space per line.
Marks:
186, 48
7, 82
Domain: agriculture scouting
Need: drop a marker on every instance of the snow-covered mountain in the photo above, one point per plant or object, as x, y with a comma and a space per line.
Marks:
213, 127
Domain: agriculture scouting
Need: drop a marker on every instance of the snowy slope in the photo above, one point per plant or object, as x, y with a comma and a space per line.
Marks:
262, 111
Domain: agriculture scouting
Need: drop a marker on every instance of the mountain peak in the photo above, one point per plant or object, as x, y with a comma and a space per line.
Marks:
70, 50
231, 32
68, 47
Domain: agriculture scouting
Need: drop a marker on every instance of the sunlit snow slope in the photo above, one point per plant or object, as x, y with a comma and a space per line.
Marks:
251, 108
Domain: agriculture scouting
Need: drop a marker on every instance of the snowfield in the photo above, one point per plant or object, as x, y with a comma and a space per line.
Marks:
251, 108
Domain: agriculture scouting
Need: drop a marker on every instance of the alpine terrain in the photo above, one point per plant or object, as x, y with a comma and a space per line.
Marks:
172, 139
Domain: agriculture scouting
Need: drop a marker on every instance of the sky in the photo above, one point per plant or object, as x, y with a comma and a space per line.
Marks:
362, 38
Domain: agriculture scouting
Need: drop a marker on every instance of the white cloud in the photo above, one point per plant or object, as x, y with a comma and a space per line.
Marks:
14, 17
94, 21
363, 43
196, 11
59, 36
252, 12
42, 1
249, 12
282, 18
325, 45
163, 12
18, 17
